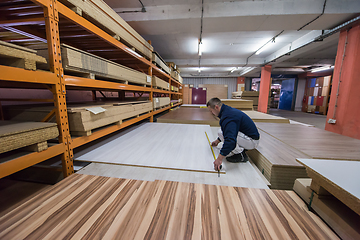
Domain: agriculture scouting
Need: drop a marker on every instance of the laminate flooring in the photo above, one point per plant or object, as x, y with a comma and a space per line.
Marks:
159, 145
93, 207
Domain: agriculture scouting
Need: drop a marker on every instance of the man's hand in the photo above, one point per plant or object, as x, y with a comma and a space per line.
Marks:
215, 143
218, 162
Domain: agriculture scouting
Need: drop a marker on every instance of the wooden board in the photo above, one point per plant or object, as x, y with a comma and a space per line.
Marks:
160, 102
99, 13
17, 56
76, 60
14, 135
340, 178
186, 115
187, 94
159, 83
277, 161
91, 207
215, 90
263, 117
339, 217
314, 142
156, 58
159, 145
239, 103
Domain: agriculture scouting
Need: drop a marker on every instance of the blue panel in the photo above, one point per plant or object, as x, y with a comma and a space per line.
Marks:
312, 100
313, 82
286, 94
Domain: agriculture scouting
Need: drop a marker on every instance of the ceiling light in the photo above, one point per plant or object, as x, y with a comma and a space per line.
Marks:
246, 70
319, 69
199, 70
266, 46
232, 70
200, 48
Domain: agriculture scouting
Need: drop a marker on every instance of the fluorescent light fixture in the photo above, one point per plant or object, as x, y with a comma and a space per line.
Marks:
232, 70
199, 70
200, 48
319, 69
264, 47
246, 70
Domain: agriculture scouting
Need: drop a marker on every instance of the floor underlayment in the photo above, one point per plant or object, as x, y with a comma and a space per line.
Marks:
159, 145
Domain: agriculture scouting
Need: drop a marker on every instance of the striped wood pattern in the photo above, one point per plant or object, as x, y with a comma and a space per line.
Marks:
92, 207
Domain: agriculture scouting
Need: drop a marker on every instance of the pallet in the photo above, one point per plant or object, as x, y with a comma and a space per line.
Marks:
89, 65
16, 56
101, 15
33, 135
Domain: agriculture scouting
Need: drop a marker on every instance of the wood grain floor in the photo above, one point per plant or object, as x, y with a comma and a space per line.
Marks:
92, 207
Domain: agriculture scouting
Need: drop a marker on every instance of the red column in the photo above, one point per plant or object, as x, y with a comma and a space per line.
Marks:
240, 80
347, 112
265, 83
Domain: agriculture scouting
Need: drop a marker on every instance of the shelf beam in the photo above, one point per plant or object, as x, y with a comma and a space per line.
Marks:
21, 22
22, 75
20, 163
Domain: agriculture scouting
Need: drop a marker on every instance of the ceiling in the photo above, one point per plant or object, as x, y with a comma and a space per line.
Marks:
232, 31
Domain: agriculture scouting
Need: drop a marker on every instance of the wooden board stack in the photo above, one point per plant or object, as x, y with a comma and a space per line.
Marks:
343, 220
156, 58
187, 115
17, 56
239, 103
15, 135
263, 117
92, 207
215, 90
83, 119
174, 89
160, 102
159, 83
99, 13
187, 94
281, 144
92, 66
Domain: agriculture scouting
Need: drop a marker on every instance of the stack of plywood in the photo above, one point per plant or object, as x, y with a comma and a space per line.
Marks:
159, 83
280, 145
251, 95
161, 102
17, 56
187, 94
95, 207
156, 58
215, 90
176, 76
263, 117
97, 12
187, 115
174, 89
14, 135
91, 66
83, 119
239, 103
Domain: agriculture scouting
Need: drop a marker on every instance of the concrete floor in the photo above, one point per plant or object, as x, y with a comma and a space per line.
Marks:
316, 120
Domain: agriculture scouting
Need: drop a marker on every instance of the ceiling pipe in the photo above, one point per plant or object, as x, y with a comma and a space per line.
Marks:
322, 13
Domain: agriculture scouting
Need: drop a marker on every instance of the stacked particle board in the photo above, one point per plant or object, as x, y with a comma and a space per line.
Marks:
174, 89
14, 135
161, 102
263, 117
187, 94
187, 115
17, 56
159, 83
173, 102
78, 61
156, 58
95, 207
251, 95
97, 12
84, 119
334, 213
215, 90
176, 76
239, 103
316, 96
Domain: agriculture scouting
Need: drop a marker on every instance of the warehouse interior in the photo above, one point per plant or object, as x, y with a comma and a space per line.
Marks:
106, 131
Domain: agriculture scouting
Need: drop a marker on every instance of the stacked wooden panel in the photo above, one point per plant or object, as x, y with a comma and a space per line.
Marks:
174, 89
187, 115
84, 119
215, 90
99, 13
160, 102
263, 117
187, 94
316, 96
252, 95
156, 58
81, 62
239, 103
92, 207
14, 135
159, 83
17, 56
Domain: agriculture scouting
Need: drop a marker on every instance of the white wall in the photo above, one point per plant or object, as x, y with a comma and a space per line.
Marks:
231, 82
300, 94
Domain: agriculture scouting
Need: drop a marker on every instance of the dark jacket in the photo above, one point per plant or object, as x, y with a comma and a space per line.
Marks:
233, 121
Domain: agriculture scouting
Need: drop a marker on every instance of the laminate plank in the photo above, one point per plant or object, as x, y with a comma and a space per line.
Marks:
111, 208
190, 116
159, 145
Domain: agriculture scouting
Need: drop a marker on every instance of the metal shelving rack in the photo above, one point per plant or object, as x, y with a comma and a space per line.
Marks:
63, 25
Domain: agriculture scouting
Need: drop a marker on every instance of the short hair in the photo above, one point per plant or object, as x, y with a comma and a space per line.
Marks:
213, 102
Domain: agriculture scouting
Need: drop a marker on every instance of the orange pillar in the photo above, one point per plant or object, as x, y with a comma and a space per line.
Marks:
345, 107
265, 83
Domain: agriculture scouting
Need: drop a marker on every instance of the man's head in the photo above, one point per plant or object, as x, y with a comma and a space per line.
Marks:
214, 106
